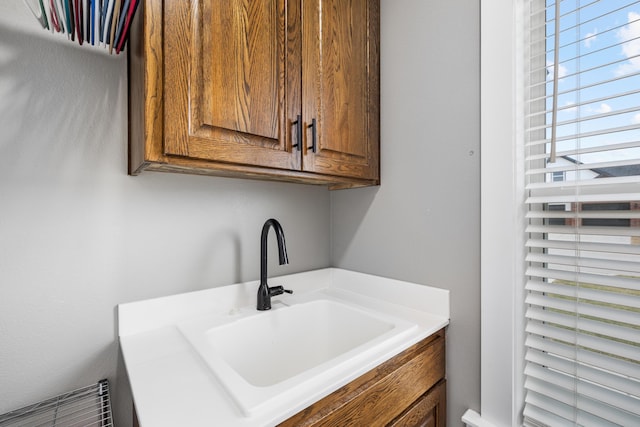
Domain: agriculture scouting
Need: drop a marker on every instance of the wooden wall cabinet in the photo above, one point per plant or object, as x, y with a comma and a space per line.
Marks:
408, 390
271, 89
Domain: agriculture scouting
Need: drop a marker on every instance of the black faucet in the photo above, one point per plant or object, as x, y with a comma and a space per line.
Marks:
264, 291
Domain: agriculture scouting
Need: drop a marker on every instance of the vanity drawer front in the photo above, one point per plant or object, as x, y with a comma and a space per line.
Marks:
382, 394
428, 411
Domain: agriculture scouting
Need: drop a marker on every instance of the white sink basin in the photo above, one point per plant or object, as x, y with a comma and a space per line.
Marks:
293, 339
261, 356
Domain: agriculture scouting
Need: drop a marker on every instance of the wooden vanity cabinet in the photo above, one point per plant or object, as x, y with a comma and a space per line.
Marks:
271, 89
408, 390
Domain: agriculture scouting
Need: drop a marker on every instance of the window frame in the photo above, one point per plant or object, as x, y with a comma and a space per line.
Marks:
502, 212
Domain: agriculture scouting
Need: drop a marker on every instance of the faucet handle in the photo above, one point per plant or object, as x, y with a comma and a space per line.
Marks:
278, 290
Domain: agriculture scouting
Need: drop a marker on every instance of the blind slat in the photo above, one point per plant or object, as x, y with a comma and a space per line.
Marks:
560, 187
538, 417
578, 262
586, 389
609, 248
588, 373
595, 359
593, 343
589, 134
566, 412
586, 293
584, 214
583, 166
585, 197
605, 192
581, 119
550, 312
582, 6
591, 69
583, 102
586, 150
588, 411
578, 231
593, 85
591, 52
592, 279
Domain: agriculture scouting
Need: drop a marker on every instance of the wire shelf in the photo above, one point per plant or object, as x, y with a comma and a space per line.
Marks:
85, 407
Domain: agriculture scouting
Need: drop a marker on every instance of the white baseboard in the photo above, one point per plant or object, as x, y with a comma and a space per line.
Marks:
473, 419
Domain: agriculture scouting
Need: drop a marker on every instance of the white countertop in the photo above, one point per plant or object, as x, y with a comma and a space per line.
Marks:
172, 385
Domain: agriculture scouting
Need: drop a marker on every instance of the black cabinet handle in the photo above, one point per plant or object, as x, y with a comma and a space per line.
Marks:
314, 135
298, 125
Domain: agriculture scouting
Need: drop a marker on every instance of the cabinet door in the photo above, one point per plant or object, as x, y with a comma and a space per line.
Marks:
340, 87
230, 92
428, 411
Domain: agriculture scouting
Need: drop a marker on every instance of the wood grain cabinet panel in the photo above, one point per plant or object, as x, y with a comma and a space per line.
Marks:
427, 411
407, 390
225, 82
270, 89
341, 85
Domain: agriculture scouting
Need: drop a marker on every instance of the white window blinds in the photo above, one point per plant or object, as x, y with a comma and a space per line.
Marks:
583, 209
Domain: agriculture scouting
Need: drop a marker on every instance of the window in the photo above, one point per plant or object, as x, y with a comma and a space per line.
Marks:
598, 221
582, 185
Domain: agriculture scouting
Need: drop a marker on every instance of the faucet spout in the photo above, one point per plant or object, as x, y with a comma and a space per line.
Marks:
282, 246
264, 291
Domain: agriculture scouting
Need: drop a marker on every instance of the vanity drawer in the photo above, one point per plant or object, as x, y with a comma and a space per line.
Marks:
384, 394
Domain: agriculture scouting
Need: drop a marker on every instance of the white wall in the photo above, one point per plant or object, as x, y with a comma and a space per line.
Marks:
422, 223
78, 236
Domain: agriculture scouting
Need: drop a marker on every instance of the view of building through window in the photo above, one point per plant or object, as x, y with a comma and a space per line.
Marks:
583, 276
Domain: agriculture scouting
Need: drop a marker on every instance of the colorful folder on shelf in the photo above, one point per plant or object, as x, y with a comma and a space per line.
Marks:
105, 23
